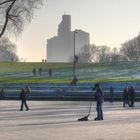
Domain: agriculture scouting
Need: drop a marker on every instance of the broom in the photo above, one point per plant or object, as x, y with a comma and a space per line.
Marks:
85, 118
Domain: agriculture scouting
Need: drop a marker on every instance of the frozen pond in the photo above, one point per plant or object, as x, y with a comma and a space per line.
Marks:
57, 120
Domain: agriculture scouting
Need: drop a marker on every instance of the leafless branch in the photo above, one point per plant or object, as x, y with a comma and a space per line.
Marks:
7, 1
7, 17
15, 13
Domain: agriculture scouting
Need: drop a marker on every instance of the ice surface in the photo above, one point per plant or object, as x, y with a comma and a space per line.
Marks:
57, 120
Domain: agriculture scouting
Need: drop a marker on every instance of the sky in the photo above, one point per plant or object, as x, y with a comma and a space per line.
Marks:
109, 22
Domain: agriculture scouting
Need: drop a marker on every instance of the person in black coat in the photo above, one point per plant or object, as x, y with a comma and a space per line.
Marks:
40, 71
2, 93
111, 91
50, 73
132, 96
74, 81
34, 72
23, 97
126, 96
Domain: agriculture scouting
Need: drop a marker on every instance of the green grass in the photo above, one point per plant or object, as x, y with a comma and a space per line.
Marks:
21, 72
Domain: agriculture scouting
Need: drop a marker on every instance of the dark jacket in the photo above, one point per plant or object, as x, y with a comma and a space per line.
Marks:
23, 95
126, 93
132, 92
99, 96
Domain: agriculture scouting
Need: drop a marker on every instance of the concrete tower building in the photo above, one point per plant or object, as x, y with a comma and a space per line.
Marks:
65, 26
61, 47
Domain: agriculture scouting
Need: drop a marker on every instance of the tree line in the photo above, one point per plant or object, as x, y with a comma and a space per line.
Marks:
129, 51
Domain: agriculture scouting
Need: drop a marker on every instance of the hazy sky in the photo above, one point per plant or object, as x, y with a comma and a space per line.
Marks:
109, 22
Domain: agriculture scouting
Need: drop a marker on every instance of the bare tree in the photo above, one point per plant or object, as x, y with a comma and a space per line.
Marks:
116, 56
131, 49
104, 54
7, 50
94, 53
84, 56
15, 13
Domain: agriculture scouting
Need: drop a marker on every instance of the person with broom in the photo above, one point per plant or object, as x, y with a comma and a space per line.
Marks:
99, 101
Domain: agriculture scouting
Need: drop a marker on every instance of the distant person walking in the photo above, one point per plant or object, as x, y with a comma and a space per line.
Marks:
12, 59
34, 72
74, 81
132, 96
126, 96
50, 73
23, 97
111, 92
40, 71
99, 101
27, 89
2, 93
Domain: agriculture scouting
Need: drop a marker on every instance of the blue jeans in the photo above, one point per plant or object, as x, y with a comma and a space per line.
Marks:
99, 111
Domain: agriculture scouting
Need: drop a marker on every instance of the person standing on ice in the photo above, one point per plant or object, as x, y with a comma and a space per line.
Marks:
99, 101
126, 96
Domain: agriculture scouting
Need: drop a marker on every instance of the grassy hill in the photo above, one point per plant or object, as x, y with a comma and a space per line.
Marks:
21, 72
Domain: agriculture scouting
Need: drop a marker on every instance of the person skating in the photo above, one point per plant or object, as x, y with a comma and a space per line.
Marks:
132, 96
126, 96
23, 97
2, 93
111, 91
